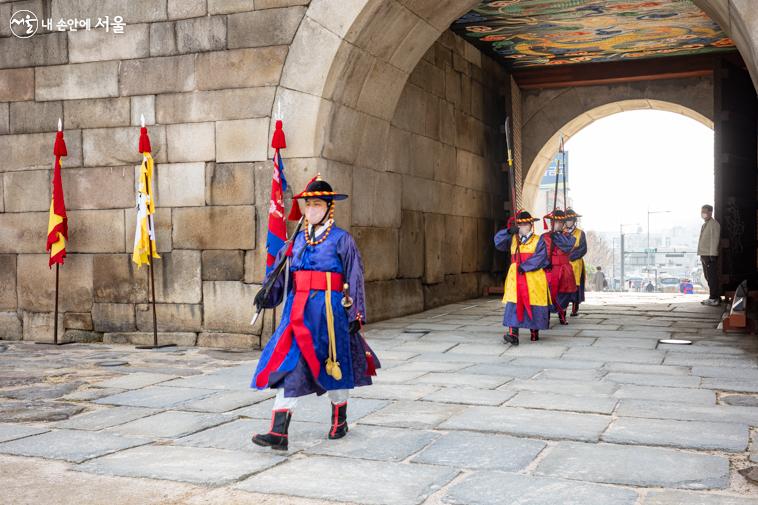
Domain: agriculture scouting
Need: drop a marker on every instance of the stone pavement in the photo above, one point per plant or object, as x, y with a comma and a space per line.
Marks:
596, 413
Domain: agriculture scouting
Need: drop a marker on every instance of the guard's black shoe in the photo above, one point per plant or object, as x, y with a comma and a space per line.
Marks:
339, 421
277, 437
535, 335
562, 317
574, 309
511, 336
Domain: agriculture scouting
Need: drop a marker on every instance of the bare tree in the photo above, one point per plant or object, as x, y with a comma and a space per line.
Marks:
599, 253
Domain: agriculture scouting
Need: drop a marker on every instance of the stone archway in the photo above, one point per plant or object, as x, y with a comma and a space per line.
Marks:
548, 114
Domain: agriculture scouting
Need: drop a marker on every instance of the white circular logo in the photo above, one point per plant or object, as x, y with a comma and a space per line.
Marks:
24, 24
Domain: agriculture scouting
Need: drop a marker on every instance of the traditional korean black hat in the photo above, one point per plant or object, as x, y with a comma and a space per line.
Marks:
524, 216
571, 214
319, 188
556, 215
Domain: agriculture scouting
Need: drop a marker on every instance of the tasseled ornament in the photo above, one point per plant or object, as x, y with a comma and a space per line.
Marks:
278, 141
544, 223
59, 148
144, 141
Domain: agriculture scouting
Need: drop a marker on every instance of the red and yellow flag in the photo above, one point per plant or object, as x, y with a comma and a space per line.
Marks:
57, 225
144, 234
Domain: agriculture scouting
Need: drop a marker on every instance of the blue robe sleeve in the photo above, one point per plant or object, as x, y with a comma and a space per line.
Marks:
563, 241
538, 259
352, 266
503, 240
581, 248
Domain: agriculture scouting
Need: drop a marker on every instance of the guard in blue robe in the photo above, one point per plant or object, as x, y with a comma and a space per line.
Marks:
576, 256
317, 347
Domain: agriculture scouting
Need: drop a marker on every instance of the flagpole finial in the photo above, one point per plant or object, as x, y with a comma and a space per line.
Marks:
142, 120
60, 125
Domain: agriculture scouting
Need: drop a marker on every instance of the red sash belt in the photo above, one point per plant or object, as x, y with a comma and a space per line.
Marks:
560, 259
305, 281
522, 288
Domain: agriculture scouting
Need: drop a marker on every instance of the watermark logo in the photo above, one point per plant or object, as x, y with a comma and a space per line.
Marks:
24, 24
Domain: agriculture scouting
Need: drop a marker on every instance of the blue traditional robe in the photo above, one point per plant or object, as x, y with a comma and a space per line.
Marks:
535, 314
561, 275
283, 364
577, 264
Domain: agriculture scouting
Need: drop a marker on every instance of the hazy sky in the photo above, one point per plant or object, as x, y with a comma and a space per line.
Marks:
623, 164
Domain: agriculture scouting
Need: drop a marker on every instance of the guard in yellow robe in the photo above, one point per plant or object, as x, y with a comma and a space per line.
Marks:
577, 262
527, 296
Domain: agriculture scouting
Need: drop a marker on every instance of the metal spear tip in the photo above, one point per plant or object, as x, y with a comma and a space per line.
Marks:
142, 120
60, 125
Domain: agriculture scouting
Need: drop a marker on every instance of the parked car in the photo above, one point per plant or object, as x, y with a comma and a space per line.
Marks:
668, 284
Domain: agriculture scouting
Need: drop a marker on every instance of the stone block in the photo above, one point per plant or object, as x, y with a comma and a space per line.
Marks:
16, 84
180, 9
31, 117
162, 218
230, 183
23, 232
206, 33
635, 466
728, 437
229, 6
147, 76
42, 49
170, 424
230, 227
305, 114
27, 191
411, 245
275, 4
271, 27
99, 45
310, 58
31, 151
70, 82
242, 140
376, 200
39, 327
115, 278
182, 339
227, 340
95, 113
110, 317
330, 478
163, 39
5, 126
36, 283
220, 265
172, 317
143, 106
78, 321
379, 251
217, 105
228, 306
434, 248
10, 326
8, 300
179, 184
453, 288
96, 231
480, 451
381, 90
118, 146
140, 11
394, 298
399, 151
191, 142
70, 445
83, 188
239, 68
177, 277
453, 251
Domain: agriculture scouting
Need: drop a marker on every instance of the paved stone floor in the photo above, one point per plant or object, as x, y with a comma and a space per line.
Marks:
595, 413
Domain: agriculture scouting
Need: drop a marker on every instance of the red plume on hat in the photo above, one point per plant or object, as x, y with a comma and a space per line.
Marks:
295, 213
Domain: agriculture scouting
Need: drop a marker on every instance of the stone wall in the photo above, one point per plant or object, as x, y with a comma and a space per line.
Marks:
206, 75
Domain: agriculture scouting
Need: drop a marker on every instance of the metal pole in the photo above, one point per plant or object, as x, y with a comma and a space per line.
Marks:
623, 285
55, 321
613, 258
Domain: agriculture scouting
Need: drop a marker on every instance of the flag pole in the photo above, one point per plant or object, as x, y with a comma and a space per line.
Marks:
57, 277
150, 269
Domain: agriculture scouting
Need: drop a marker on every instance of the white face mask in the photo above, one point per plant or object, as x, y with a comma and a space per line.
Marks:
524, 230
314, 214
570, 223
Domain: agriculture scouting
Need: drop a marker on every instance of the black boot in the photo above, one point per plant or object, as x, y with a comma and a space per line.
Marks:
535, 335
562, 316
339, 421
511, 336
574, 309
276, 438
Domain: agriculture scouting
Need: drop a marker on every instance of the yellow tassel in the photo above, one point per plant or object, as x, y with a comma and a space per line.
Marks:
332, 365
